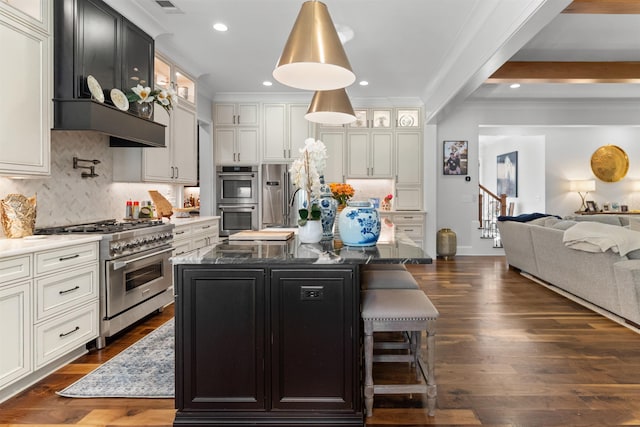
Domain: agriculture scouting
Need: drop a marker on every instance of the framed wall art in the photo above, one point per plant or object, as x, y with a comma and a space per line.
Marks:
507, 174
455, 160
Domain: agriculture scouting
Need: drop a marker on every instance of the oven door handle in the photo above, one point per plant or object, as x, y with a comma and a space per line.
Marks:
117, 265
245, 207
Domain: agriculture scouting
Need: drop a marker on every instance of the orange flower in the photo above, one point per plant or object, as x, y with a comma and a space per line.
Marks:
341, 192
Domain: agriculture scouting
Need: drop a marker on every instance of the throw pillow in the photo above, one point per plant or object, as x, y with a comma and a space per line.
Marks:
634, 223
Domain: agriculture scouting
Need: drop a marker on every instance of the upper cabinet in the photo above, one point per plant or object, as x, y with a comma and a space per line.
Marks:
177, 162
26, 45
379, 118
93, 39
242, 114
34, 12
285, 131
408, 118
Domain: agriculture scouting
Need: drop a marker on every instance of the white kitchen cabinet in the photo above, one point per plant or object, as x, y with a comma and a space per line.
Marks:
240, 114
369, 154
408, 118
15, 332
411, 224
25, 119
236, 145
334, 141
195, 234
409, 177
373, 118
48, 311
177, 162
285, 129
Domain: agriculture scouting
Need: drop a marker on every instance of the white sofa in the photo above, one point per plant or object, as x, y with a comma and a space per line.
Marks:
604, 279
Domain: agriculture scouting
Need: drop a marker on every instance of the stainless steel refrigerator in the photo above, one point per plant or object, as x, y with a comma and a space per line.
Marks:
279, 197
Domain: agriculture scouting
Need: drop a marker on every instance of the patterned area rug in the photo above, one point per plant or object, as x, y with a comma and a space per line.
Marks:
144, 370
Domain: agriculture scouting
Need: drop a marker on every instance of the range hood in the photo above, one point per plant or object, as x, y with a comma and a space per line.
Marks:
125, 129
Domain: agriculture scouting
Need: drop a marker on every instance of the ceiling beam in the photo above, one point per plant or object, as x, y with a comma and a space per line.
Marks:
604, 6
567, 72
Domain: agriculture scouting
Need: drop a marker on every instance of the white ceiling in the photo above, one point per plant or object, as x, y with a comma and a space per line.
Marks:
429, 50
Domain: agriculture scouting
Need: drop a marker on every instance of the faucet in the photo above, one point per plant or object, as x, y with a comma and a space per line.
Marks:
292, 199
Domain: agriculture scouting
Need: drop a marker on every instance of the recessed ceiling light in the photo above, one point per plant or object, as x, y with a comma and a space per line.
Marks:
267, 83
219, 26
514, 85
364, 83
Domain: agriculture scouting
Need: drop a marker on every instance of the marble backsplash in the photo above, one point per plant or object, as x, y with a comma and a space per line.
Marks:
367, 188
67, 198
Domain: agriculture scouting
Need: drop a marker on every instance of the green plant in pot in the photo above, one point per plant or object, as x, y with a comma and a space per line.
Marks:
304, 215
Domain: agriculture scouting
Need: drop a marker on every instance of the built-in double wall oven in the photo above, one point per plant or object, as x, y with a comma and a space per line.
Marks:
237, 198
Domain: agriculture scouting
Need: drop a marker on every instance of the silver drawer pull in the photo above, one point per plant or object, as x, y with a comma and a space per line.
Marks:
205, 227
69, 290
66, 258
179, 232
77, 328
408, 229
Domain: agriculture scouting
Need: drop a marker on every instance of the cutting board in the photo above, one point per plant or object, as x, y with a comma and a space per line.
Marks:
261, 235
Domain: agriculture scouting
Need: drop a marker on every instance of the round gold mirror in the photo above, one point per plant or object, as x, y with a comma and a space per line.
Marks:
609, 163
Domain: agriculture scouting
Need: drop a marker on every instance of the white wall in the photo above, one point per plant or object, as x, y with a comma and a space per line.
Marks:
572, 131
531, 168
67, 198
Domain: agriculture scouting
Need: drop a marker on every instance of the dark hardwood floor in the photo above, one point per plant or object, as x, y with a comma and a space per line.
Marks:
510, 352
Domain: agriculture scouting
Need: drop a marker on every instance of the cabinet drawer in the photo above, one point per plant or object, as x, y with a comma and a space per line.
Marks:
60, 335
65, 290
180, 248
411, 230
14, 268
182, 232
408, 218
63, 258
206, 227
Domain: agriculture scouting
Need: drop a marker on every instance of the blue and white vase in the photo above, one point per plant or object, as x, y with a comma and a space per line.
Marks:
359, 224
328, 206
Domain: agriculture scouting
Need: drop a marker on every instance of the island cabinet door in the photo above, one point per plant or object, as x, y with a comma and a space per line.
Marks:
220, 345
315, 339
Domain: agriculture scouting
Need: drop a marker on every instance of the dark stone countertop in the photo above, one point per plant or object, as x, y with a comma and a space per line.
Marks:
392, 248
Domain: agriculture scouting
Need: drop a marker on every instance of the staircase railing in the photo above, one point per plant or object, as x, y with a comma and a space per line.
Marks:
490, 207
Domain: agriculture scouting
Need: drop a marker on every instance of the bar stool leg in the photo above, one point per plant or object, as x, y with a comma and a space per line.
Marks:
368, 366
415, 351
432, 391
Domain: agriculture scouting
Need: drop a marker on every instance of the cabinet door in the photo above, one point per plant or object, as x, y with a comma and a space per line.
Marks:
247, 115
299, 129
15, 332
334, 141
358, 154
225, 114
225, 140
381, 155
25, 114
408, 158
247, 145
220, 328
313, 350
157, 161
185, 146
275, 147
137, 58
98, 50
408, 198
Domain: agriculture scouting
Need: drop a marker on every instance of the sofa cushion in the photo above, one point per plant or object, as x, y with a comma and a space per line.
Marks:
604, 219
563, 224
604, 236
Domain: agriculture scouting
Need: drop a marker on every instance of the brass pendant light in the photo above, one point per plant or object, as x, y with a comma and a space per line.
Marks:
313, 57
331, 107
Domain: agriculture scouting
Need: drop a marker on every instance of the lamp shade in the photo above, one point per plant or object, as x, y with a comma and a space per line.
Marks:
313, 57
331, 107
583, 186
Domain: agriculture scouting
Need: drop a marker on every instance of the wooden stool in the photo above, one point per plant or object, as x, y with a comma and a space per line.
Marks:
390, 310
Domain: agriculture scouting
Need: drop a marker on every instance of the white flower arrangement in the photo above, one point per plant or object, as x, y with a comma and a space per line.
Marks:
166, 98
307, 169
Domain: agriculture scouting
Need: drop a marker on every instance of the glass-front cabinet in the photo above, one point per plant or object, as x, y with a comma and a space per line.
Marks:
168, 75
408, 118
379, 118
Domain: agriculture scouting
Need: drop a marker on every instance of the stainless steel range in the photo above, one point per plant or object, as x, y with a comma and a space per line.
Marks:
135, 271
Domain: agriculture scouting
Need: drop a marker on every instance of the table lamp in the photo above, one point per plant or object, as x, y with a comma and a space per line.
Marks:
583, 188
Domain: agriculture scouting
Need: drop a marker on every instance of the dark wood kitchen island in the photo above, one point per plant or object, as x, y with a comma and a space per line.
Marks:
268, 333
